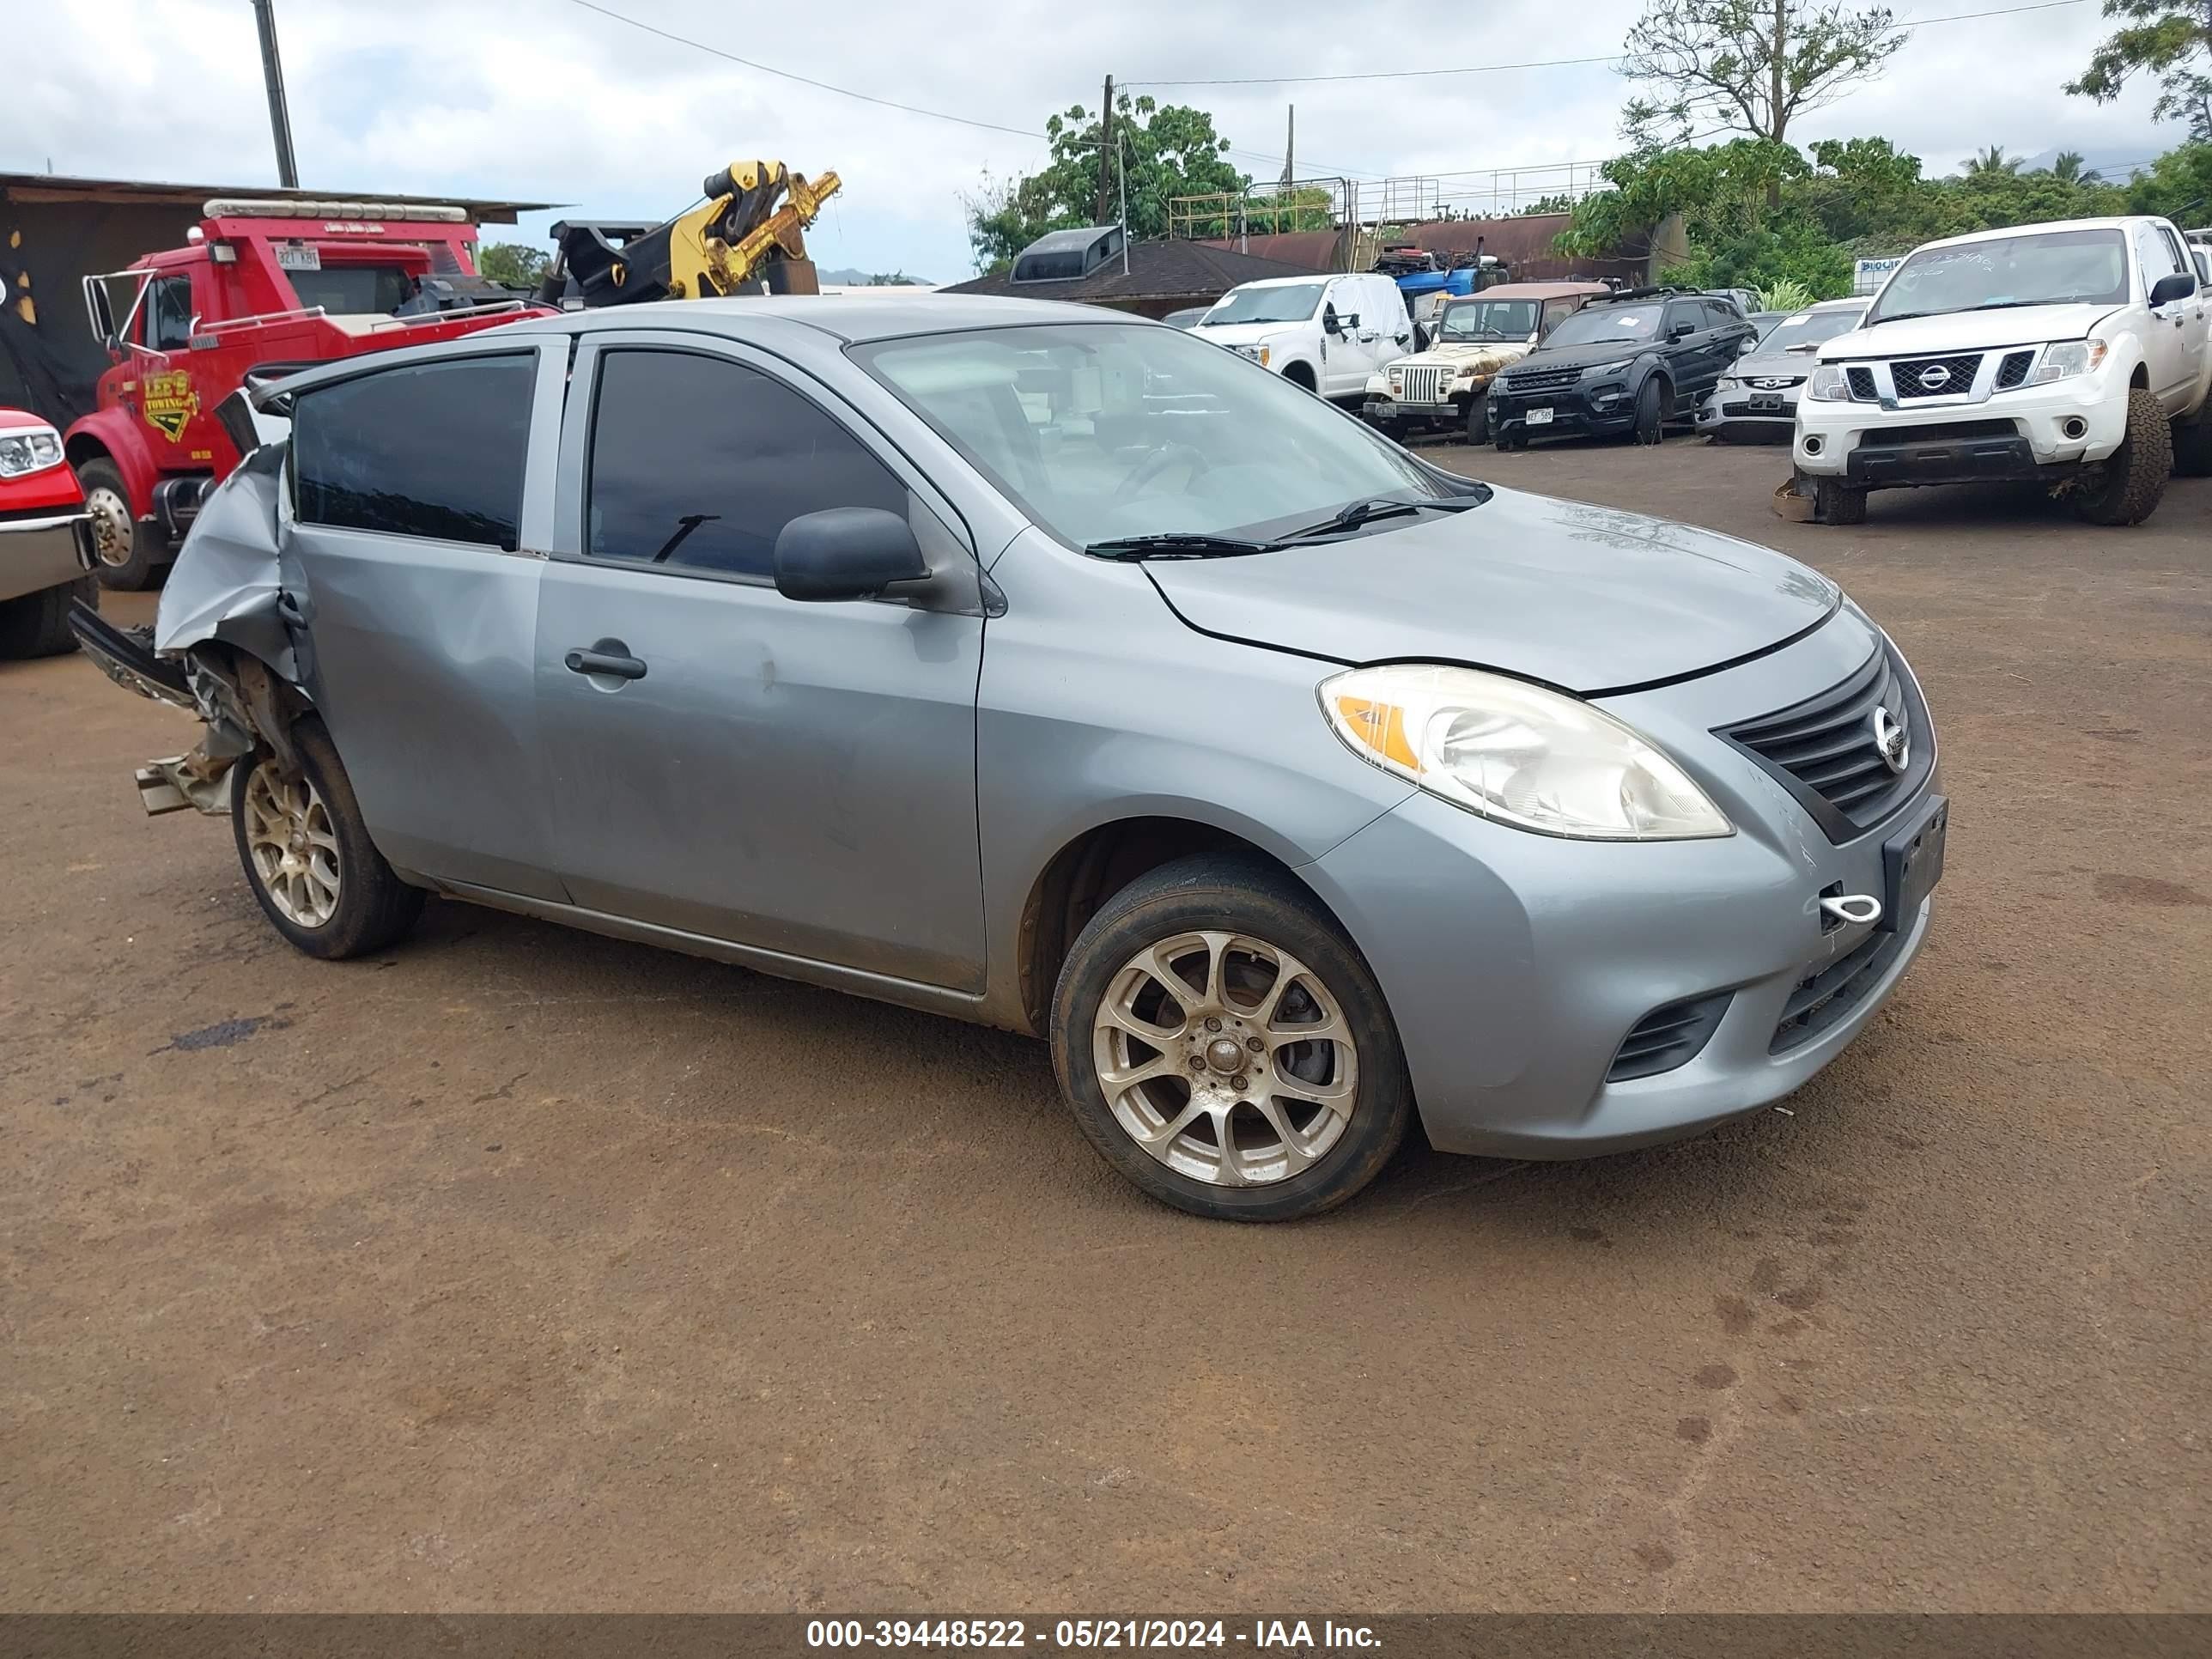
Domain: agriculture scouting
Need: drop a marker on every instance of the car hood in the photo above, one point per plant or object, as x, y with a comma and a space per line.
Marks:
1965, 331
1582, 356
1491, 354
1586, 598
1236, 334
1767, 365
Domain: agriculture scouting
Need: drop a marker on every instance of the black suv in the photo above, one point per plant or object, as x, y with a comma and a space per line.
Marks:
1628, 363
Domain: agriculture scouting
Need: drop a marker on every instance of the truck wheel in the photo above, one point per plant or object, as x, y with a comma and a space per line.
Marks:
1478, 419
1835, 502
2192, 445
1226, 1047
130, 550
2135, 473
316, 874
37, 624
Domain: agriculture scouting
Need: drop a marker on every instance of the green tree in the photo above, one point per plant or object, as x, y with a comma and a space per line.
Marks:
2177, 186
1990, 162
1747, 66
2069, 165
1560, 203
511, 263
1167, 149
2168, 39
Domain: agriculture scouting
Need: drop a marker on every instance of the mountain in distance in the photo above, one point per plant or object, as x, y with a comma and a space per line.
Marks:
2114, 166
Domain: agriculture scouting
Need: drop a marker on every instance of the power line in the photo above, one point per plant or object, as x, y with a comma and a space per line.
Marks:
803, 80
1548, 63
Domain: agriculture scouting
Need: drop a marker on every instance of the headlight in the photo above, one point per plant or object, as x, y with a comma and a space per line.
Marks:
2067, 358
1516, 753
1620, 367
1729, 386
29, 449
1829, 385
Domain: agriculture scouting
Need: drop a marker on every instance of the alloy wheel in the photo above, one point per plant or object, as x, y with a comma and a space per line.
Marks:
293, 844
1226, 1057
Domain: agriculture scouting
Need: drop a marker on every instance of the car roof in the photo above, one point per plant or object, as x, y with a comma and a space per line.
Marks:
1292, 282
1532, 291
845, 317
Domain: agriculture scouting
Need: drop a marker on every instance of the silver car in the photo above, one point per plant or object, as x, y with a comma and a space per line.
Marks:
1292, 789
1756, 400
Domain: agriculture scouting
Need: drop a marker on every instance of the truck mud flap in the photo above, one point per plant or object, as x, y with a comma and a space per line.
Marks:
127, 656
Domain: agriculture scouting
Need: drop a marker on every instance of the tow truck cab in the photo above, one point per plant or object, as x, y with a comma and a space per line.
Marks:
258, 283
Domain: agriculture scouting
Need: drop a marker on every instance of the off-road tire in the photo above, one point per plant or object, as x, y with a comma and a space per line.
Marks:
149, 549
1651, 411
375, 909
2135, 473
1246, 896
37, 624
1478, 419
1835, 502
2192, 445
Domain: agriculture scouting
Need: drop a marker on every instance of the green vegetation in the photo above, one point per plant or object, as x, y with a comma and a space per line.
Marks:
1748, 66
1169, 150
2162, 37
1757, 212
511, 263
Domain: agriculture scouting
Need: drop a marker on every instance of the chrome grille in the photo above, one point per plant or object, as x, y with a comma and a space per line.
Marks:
1421, 384
1935, 377
1823, 750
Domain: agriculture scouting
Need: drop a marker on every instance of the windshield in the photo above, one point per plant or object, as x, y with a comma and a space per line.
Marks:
1488, 319
1104, 431
354, 290
2052, 268
1594, 324
1810, 328
1293, 302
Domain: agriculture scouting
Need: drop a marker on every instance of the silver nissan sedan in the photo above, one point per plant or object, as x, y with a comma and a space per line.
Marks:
1060, 671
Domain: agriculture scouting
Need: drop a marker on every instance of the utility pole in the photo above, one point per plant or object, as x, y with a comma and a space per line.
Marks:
1290, 148
1106, 155
272, 72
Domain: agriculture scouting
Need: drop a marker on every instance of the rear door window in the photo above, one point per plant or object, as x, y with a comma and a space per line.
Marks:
698, 462
433, 450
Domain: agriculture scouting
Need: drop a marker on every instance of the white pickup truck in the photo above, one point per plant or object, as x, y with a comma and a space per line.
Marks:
2074, 354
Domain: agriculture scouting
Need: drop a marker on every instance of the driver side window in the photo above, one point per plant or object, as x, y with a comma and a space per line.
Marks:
169, 314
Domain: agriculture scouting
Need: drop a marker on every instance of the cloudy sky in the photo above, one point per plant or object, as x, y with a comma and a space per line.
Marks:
552, 101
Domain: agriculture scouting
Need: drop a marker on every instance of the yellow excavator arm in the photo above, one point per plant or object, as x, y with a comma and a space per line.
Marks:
737, 239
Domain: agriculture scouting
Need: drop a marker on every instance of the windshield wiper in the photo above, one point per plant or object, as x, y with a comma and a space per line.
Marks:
1176, 544
1369, 508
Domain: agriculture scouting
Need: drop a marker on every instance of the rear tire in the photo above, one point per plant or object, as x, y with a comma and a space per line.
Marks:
307, 856
2192, 445
1249, 1121
1836, 503
130, 549
37, 624
2135, 473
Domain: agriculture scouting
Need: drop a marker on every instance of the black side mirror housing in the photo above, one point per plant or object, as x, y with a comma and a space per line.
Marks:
1328, 322
1681, 331
2167, 289
846, 553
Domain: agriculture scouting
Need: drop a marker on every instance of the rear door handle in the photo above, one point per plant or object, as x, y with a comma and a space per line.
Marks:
608, 657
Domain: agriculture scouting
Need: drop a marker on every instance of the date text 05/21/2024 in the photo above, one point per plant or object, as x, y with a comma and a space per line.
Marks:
1273, 1634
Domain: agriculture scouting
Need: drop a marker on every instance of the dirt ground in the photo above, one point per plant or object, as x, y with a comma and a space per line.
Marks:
521, 1269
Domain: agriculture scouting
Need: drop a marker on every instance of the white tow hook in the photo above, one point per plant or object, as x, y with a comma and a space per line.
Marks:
1860, 909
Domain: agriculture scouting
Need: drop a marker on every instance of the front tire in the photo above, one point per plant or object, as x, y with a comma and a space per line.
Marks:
37, 624
1651, 410
1226, 1047
1836, 503
2135, 473
130, 549
1478, 419
307, 856
2192, 445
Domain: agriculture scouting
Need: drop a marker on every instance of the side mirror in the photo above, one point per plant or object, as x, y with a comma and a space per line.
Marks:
1352, 321
1328, 322
846, 553
1744, 347
2167, 289
1681, 331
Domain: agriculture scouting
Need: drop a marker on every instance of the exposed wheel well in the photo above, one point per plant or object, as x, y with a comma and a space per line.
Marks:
2140, 380
1093, 868
84, 447
1299, 374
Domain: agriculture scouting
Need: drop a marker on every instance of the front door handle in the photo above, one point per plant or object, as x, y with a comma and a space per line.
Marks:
608, 657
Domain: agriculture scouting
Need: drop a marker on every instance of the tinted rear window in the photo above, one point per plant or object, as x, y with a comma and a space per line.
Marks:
430, 449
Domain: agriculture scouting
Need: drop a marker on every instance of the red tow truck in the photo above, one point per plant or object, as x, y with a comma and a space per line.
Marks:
260, 285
